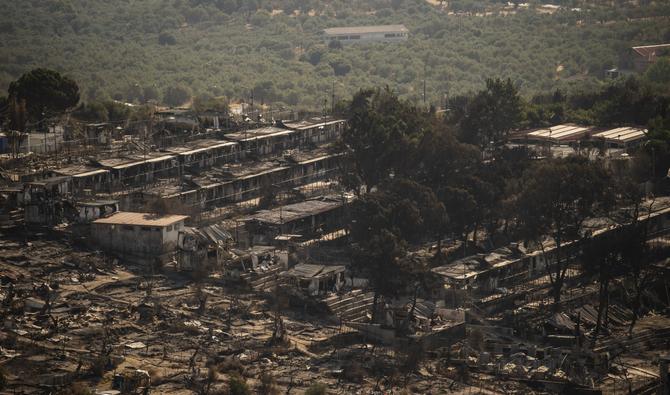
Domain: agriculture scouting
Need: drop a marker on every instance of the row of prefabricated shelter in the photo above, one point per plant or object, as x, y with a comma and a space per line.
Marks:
197, 174
483, 275
139, 169
249, 180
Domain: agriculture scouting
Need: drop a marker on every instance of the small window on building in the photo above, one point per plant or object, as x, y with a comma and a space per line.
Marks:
145, 228
169, 228
357, 37
127, 227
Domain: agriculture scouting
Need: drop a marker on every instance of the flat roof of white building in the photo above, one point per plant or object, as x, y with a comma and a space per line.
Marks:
140, 219
336, 31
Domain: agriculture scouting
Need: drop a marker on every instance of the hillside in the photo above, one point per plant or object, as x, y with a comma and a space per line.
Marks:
134, 50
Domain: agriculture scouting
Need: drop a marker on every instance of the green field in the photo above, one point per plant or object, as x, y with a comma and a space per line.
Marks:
135, 49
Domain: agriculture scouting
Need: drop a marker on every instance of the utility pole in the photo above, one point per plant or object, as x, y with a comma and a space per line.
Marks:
46, 130
246, 136
424, 83
56, 143
281, 218
325, 115
332, 101
278, 189
147, 133
252, 104
446, 99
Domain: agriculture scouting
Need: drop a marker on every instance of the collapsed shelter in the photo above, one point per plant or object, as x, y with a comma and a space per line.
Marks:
308, 218
316, 279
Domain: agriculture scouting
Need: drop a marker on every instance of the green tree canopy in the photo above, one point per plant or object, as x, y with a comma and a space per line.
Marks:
176, 95
558, 196
492, 113
659, 72
46, 93
383, 221
383, 132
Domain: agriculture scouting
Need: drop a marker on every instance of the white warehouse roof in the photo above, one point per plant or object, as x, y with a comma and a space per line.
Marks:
335, 31
560, 132
623, 134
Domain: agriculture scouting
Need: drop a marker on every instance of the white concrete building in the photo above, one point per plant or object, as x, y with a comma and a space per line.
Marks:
366, 34
139, 235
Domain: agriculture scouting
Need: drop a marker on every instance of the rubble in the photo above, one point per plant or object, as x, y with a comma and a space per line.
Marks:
235, 271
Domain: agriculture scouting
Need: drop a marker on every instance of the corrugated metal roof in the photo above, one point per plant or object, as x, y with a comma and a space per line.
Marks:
78, 170
293, 212
560, 132
459, 270
123, 161
150, 160
198, 146
98, 203
90, 173
140, 219
623, 134
334, 31
312, 123
649, 51
261, 133
319, 158
212, 234
216, 233
195, 151
252, 175
50, 181
306, 270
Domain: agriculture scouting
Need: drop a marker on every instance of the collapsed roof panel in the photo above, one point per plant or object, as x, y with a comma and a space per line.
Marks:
294, 212
309, 271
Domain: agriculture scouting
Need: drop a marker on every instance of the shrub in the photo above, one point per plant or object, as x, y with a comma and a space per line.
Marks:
238, 385
76, 389
156, 376
316, 389
354, 372
167, 39
231, 365
334, 44
268, 385
3, 379
176, 95
340, 67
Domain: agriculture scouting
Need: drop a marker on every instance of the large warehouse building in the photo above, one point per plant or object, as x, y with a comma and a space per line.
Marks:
366, 34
